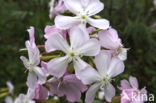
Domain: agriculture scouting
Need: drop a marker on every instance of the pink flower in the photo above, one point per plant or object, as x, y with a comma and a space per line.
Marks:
58, 9
83, 9
109, 39
80, 45
35, 72
41, 93
131, 93
107, 68
68, 86
50, 30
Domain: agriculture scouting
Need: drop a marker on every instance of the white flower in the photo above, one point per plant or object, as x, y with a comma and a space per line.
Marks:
107, 68
83, 9
80, 45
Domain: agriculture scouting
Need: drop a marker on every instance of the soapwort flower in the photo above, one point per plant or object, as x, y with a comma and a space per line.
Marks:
83, 9
80, 45
109, 40
35, 72
107, 68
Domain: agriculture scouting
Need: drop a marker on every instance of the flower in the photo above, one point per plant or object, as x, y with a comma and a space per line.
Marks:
131, 93
154, 2
81, 45
41, 93
83, 9
107, 68
55, 10
69, 86
50, 30
35, 72
22, 98
109, 39
10, 86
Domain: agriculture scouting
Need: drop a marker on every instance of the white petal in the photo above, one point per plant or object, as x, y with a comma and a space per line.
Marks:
66, 22
25, 61
94, 7
116, 67
31, 80
109, 92
31, 93
57, 66
134, 82
101, 95
79, 65
89, 75
74, 6
8, 99
99, 23
40, 74
90, 48
102, 62
78, 36
34, 53
58, 42
123, 54
90, 95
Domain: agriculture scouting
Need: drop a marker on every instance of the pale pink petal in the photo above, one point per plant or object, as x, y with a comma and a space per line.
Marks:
44, 68
78, 36
74, 6
25, 61
48, 48
31, 35
34, 54
58, 66
125, 84
91, 29
90, 95
8, 99
30, 93
123, 54
58, 42
109, 39
102, 61
134, 82
116, 67
109, 91
60, 7
94, 7
66, 22
32, 80
93, 75
79, 65
99, 23
41, 93
40, 74
90, 48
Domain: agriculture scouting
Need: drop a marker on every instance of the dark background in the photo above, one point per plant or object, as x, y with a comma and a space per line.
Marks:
132, 18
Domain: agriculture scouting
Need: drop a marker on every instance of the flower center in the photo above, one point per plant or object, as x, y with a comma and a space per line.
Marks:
83, 17
72, 54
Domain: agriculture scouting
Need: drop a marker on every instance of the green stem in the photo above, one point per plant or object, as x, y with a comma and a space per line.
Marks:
94, 32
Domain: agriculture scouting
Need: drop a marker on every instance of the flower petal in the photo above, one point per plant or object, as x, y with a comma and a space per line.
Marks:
58, 42
91, 78
78, 36
40, 74
31, 35
90, 48
25, 61
90, 95
102, 62
109, 39
116, 67
58, 66
123, 54
66, 22
134, 82
32, 80
109, 91
94, 7
74, 6
125, 84
34, 53
99, 23
9, 99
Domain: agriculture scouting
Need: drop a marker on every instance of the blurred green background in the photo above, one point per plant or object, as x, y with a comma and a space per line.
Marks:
132, 18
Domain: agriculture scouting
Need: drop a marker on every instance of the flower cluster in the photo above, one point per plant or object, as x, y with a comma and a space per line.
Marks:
76, 57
